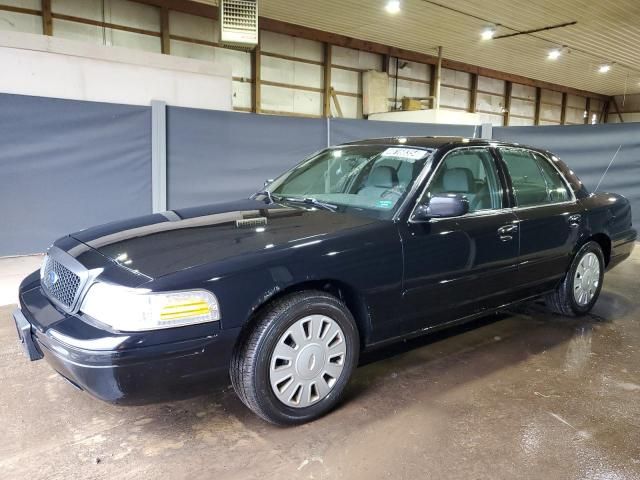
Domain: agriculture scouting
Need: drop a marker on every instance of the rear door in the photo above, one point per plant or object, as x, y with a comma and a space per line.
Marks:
549, 217
454, 267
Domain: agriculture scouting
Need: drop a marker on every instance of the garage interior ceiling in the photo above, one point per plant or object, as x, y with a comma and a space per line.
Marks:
606, 32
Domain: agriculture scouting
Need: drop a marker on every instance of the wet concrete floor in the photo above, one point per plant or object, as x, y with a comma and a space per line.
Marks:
521, 395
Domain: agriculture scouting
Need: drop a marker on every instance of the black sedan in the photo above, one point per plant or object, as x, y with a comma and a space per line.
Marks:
360, 245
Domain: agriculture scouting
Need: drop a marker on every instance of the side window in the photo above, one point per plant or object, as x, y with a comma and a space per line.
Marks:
558, 191
535, 182
472, 173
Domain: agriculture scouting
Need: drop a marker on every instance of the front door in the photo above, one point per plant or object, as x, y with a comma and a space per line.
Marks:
454, 267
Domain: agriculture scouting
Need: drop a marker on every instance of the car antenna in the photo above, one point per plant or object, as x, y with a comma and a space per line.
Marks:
607, 169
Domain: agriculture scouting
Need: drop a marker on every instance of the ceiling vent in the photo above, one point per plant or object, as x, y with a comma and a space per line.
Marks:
239, 23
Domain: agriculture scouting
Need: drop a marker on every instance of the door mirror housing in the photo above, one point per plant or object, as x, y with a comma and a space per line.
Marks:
441, 206
268, 182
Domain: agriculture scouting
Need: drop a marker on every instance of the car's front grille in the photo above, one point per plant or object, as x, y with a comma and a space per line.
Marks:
59, 282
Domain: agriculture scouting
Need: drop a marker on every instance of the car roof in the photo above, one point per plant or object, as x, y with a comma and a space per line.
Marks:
427, 142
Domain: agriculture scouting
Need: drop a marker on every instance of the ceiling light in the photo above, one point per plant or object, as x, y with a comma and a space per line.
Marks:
488, 33
392, 6
604, 68
554, 54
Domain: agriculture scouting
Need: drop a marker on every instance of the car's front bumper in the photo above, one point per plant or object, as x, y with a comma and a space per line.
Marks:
112, 368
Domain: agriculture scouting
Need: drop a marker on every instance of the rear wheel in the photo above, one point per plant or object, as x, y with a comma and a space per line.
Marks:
293, 365
579, 291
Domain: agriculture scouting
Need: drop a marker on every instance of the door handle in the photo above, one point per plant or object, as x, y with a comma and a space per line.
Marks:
574, 220
506, 232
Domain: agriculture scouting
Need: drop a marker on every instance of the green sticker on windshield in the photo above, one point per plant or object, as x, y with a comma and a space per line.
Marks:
386, 204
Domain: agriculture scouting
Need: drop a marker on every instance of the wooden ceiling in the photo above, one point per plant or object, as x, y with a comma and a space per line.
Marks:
606, 32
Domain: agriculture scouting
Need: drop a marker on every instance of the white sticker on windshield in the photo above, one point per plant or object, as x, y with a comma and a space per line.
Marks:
411, 154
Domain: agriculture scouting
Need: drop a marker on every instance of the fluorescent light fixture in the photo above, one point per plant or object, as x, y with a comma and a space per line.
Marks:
604, 68
392, 6
488, 33
554, 54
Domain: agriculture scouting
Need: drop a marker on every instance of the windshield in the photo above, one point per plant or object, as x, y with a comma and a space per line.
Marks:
370, 179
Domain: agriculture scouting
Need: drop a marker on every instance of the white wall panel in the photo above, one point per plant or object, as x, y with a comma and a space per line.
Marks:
521, 122
419, 71
523, 91
551, 96
192, 26
240, 61
59, 68
496, 120
20, 22
574, 115
346, 80
192, 50
523, 107
291, 46
241, 95
455, 97
491, 85
407, 88
455, 78
490, 103
32, 4
90, 9
137, 41
79, 32
551, 113
133, 14
349, 57
291, 72
291, 100
576, 101
351, 107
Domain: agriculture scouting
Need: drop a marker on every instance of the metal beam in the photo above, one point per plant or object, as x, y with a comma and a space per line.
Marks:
158, 156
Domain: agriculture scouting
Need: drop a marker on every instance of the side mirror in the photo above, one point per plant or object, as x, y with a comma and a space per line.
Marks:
441, 206
268, 182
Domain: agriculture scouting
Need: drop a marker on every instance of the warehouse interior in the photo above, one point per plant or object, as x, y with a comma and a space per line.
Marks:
112, 109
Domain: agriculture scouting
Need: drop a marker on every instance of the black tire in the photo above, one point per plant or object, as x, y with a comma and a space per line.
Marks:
562, 300
249, 369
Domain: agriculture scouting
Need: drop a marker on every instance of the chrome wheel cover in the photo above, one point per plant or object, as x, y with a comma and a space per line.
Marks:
307, 361
586, 279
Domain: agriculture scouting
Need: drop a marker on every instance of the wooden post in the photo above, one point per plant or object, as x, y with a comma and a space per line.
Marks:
432, 85
536, 120
164, 30
47, 19
473, 101
563, 113
508, 86
326, 106
587, 120
255, 75
438, 78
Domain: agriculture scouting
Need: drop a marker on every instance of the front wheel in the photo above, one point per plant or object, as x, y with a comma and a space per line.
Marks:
294, 363
579, 290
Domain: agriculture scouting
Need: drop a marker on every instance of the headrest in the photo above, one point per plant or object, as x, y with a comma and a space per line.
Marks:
457, 180
382, 177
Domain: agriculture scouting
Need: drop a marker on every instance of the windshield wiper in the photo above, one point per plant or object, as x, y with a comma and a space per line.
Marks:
312, 201
271, 197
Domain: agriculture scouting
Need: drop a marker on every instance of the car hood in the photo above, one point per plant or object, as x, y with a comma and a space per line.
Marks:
163, 243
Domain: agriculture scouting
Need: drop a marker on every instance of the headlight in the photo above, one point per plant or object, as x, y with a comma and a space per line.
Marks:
135, 309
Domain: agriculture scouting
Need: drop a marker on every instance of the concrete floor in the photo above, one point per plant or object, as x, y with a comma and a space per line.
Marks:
523, 395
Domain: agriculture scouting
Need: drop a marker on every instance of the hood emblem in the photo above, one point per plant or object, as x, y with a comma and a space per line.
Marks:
52, 277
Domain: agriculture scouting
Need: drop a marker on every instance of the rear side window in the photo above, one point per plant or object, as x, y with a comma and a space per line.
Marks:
534, 180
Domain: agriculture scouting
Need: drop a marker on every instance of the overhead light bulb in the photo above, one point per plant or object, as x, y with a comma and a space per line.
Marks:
554, 54
488, 33
392, 6
604, 68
